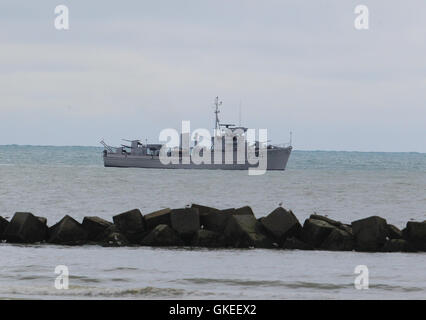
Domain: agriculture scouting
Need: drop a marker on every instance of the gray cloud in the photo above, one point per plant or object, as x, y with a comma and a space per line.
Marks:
132, 68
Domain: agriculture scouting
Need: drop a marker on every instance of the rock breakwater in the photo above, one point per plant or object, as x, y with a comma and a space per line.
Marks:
202, 226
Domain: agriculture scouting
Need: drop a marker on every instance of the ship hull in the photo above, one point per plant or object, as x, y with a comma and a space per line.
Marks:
276, 160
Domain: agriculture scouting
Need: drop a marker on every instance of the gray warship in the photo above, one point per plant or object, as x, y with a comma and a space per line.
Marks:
226, 140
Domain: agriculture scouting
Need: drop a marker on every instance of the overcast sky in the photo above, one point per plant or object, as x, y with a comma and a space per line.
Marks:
128, 69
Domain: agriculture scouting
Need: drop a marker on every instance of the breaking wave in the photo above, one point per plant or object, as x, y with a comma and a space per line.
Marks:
91, 292
296, 284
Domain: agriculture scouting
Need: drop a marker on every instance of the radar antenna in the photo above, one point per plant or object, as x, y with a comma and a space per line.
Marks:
239, 114
217, 104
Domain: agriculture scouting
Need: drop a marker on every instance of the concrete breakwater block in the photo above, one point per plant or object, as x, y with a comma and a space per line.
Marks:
393, 232
208, 239
112, 237
68, 232
42, 220
415, 233
95, 227
186, 222
203, 226
158, 217
203, 209
243, 210
162, 236
3, 225
211, 218
370, 233
115, 239
338, 240
281, 224
131, 224
294, 243
397, 245
216, 220
244, 231
315, 232
334, 223
25, 228
323, 233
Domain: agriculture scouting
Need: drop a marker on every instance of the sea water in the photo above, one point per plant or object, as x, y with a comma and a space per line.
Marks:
346, 186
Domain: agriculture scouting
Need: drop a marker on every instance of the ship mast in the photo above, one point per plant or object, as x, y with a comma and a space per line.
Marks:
217, 104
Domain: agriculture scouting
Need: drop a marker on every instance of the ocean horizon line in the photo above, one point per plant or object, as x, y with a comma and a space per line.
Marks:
295, 150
